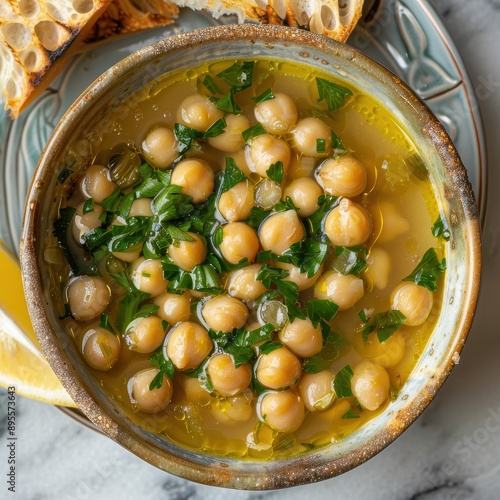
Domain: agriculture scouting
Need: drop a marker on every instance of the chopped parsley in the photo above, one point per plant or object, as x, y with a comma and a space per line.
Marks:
165, 366
385, 324
333, 94
440, 229
342, 382
428, 271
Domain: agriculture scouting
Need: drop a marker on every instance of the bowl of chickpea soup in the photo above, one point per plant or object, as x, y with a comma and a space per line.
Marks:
251, 254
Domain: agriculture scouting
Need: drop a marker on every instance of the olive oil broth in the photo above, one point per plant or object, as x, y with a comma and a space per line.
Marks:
399, 195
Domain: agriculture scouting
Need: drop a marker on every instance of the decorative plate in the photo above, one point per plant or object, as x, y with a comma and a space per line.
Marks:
405, 36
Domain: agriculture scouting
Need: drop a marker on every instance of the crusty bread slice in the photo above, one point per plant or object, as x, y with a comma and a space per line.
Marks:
35, 41
333, 18
37, 37
124, 17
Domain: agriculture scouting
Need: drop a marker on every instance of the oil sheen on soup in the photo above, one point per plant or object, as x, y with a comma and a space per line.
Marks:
249, 257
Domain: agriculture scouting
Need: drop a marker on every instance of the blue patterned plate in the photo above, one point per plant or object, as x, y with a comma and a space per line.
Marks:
405, 36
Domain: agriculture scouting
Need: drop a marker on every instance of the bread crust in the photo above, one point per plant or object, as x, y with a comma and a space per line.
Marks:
37, 39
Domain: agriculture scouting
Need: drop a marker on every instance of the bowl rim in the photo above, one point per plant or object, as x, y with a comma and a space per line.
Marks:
219, 472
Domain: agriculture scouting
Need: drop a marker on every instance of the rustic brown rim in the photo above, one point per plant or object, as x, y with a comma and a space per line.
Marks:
205, 469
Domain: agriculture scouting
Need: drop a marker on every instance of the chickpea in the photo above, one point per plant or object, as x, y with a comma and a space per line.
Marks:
84, 223
393, 223
279, 369
235, 204
312, 137
88, 297
266, 150
370, 384
196, 178
379, 267
304, 192
187, 345
237, 408
348, 224
147, 276
413, 301
193, 389
226, 379
97, 184
239, 241
344, 290
277, 115
243, 283
302, 338
188, 254
387, 354
141, 208
160, 147
100, 348
224, 313
283, 411
144, 335
198, 112
146, 399
343, 176
173, 308
300, 279
231, 140
316, 390
239, 158
280, 231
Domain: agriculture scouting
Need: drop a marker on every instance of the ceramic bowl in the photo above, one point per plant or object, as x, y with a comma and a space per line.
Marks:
454, 195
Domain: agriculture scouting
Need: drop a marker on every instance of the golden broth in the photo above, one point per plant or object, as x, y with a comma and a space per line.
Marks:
398, 189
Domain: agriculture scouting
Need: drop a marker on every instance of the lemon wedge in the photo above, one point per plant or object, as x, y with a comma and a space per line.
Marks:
22, 364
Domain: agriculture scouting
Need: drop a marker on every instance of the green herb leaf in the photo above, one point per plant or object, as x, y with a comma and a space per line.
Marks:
244, 338
238, 76
440, 229
257, 215
88, 206
269, 346
231, 176
146, 310
178, 234
350, 260
227, 103
320, 145
332, 93
350, 413
104, 323
217, 128
165, 366
129, 304
253, 131
384, 323
315, 221
342, 382
266, 95
210, 84
337, 144
185, 136
428, 271
275, 172
321, 310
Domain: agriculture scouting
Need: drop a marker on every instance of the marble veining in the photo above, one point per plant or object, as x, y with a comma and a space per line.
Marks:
451, 452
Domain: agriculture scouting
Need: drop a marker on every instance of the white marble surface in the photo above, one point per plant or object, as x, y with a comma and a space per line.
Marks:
451, 452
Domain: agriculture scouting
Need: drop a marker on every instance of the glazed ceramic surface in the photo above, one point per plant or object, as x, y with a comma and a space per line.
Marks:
455, 196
